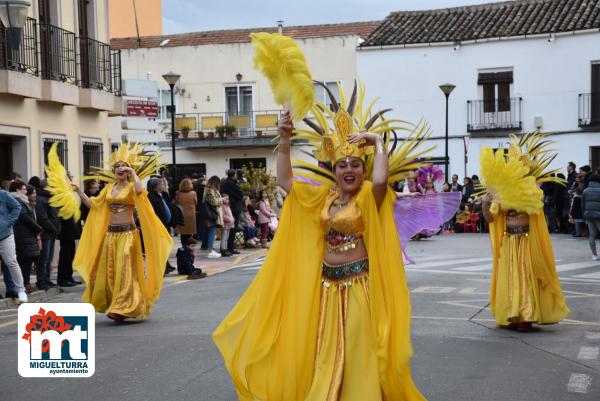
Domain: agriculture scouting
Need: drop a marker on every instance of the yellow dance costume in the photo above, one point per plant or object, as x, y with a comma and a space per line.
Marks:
111, 263
296, 336
525, 286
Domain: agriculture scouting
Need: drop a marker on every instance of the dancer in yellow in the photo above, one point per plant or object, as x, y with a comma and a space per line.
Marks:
525, 288
327, 317
109, 255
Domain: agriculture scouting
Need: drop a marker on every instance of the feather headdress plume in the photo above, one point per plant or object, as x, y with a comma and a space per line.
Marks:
59, 185
330, 141
280, 59
533, 149
144, 162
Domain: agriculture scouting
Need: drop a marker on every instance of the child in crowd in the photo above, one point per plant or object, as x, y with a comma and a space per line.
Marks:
185, 260
228, 224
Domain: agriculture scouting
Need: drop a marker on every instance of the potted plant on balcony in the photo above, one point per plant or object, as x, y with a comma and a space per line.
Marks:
210, 135
201, 135
220, 131
185, 130
230, 130
258, 133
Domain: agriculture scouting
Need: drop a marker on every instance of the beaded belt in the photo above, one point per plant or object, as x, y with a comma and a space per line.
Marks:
517, 229
120, 228
345, 273
338, 242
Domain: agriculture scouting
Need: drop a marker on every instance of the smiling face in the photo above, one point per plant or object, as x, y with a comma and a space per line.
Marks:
349, 174
120, 172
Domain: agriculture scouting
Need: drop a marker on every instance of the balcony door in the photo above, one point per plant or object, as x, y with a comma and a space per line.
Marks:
595, 96
496, 89
239, 107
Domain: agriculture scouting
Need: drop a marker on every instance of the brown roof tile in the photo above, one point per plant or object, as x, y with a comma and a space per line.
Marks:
505, 19
362, 29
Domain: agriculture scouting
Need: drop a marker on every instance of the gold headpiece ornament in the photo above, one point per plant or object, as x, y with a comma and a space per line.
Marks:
331, 143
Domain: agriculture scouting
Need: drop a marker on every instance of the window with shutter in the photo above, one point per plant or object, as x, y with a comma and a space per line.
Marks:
496, 90
595, 96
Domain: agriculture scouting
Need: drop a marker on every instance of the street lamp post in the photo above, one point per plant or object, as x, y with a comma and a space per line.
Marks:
171, 78
447, 89
13, 14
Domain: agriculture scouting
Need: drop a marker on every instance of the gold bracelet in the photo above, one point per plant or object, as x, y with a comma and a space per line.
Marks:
379, 148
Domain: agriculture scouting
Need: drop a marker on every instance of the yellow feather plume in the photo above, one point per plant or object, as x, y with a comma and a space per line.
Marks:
59, 185
280, 59
508, 179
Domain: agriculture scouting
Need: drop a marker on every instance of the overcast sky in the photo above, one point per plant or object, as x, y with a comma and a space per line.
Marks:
203, 15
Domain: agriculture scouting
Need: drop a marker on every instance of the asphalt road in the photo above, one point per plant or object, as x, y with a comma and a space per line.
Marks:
459, 353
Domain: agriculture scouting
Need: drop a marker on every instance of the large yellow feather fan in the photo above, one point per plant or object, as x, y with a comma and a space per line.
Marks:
279, 58
59, 185
508, 179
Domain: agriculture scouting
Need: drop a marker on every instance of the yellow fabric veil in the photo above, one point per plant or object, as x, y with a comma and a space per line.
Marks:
268, 340
157, 243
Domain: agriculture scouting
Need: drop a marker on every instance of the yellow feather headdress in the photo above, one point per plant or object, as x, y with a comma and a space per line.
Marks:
145, 163
514, 177
330, 143
279, 58
59, 185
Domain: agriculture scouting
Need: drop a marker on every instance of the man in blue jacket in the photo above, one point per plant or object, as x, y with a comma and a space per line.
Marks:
9, 213
591, 210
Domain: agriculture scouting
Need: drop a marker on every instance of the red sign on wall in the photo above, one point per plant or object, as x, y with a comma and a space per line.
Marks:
142, 108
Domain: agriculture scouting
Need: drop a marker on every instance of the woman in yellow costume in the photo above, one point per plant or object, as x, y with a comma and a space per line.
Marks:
327, 317
525, 288
109, 255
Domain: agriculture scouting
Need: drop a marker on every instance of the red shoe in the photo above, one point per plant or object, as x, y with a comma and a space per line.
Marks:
116, 317
525, 327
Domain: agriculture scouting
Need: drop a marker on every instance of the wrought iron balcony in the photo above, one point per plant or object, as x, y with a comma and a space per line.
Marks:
96, 64
589, 110
495, 115
25, 58
58, 54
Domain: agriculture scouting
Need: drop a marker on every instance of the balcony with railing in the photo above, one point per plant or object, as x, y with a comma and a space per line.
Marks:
203, 130
589, 110
99, 76
58, 54
25, 58
494, 115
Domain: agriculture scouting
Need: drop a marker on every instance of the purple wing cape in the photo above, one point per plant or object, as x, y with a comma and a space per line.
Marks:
415, 214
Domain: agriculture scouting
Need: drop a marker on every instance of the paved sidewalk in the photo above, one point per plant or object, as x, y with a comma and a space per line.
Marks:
210, 266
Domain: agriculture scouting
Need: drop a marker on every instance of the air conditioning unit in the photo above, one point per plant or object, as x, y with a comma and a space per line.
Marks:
538, 122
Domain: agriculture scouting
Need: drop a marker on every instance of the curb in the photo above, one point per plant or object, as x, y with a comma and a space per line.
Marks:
240, 260
36, 296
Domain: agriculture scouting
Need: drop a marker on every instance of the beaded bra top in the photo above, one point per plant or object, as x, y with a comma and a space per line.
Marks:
344, 230
122, 202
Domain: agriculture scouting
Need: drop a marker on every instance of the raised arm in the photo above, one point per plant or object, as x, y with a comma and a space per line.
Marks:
381, 169
284, 161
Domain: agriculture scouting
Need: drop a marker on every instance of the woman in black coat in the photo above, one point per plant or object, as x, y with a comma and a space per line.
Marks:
26, 230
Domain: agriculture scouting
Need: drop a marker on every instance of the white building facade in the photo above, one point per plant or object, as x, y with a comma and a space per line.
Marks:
219, 86
507, 80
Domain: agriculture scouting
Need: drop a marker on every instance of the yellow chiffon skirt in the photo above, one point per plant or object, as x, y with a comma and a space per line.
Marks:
519, 295
115, 282
346, 364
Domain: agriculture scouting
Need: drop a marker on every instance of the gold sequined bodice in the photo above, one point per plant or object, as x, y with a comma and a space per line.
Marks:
122, 202
348, 220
